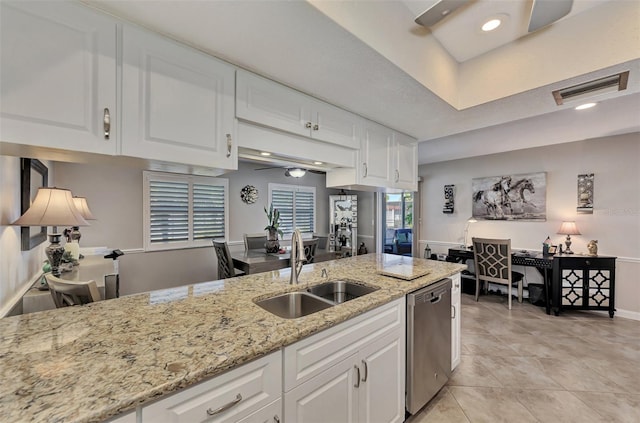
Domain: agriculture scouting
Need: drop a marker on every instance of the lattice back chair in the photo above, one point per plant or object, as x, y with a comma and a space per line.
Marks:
225, 262
254, 241
310, 246
67, 293
492, 260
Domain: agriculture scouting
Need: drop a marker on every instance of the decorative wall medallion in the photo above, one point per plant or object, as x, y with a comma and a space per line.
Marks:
249, 194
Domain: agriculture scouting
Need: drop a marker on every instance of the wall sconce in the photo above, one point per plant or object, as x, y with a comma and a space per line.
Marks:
568, 229
52, 207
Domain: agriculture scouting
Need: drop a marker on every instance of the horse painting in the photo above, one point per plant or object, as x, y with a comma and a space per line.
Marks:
511, 197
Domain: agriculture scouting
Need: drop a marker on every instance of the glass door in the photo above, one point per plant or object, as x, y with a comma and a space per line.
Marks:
397, 223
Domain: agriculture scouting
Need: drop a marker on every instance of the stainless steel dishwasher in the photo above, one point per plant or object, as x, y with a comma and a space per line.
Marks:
428, 343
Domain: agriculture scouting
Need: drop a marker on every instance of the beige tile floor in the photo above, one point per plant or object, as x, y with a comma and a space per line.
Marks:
525, 366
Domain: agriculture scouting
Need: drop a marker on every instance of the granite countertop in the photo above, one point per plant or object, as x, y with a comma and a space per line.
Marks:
85, 364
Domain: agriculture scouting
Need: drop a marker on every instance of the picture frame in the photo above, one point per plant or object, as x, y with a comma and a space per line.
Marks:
511, 197
33, 175
553, 249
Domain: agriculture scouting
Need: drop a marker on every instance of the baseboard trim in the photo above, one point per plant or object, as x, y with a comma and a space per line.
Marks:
632, 315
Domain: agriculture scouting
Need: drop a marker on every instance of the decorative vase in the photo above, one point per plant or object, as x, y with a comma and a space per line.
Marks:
272, 245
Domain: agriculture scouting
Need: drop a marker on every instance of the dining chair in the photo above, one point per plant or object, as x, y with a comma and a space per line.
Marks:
67, 293
492, 260
310, 246
225, 262
254, 241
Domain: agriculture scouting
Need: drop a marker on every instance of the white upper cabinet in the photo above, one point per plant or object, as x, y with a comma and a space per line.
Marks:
375, 151
268, 103
405, 162
387, 161
58, 76
177, 103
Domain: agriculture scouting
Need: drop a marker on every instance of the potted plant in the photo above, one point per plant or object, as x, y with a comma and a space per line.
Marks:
273, 229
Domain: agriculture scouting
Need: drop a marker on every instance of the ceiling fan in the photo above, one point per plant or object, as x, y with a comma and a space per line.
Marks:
295, 172
543, 12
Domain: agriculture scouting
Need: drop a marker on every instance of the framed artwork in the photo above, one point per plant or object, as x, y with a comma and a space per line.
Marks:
510, 197
448, 199
585, 194
33, 175
553, 249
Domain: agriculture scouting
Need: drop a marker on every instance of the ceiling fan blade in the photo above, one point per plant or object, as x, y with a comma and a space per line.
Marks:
319, 172
545, 12
438, 11
271, 167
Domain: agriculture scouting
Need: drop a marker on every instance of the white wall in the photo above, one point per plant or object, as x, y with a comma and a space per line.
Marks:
615, 223
17, 268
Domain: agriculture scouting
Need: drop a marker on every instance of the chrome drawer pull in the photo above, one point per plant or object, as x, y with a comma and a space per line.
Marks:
225, 407
357, 384
366, 371
276, 419
106, 124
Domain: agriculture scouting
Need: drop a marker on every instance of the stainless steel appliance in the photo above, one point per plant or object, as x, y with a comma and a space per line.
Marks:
428, 343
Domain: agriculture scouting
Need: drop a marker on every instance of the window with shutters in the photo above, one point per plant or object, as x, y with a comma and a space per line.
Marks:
297, 206
183, 211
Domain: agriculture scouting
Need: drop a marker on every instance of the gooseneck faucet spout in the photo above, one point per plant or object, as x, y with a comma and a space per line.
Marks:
297, 256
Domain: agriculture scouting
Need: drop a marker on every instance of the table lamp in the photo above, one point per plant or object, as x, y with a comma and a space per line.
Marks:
568, 229
466, 230
83, 208
52, 207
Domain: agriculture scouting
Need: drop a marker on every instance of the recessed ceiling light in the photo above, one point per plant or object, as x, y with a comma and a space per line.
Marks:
265, 153
585, 106
490, 25
318, 163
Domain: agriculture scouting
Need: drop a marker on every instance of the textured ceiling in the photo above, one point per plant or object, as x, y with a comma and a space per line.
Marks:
369, 57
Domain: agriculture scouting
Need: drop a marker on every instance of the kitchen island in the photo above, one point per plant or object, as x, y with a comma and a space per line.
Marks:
86, 364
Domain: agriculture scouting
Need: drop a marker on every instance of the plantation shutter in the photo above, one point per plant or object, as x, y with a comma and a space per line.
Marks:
169, 211
183, 211
296, 205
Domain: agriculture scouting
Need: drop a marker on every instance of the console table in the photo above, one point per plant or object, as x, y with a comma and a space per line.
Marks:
583, 282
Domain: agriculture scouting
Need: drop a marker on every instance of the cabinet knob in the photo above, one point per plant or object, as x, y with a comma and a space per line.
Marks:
587, 262
106, 122
308, 125
229, 145
316, 127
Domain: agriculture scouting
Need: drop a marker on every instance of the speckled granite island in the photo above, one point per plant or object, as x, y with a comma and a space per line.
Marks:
86, 364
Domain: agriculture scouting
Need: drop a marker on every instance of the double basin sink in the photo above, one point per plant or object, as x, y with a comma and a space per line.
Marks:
315, 298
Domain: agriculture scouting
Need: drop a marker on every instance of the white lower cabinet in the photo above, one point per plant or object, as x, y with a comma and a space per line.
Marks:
354, 372
271, 413
456, 289
231, 397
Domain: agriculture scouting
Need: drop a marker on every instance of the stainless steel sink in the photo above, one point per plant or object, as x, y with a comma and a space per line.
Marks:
339, 291
294, 304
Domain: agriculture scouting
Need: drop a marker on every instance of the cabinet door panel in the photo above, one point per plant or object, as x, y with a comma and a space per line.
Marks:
58, 75
381, 392
272, 413
406, 165
177, 103
335, 125
329, 397
268, 103
375, 150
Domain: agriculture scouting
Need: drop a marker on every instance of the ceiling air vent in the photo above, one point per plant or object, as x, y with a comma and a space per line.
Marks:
580, 92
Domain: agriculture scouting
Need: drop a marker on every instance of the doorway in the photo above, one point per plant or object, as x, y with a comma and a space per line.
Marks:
398, 216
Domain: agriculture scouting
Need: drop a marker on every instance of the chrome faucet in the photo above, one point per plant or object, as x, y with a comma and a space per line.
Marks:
297, 256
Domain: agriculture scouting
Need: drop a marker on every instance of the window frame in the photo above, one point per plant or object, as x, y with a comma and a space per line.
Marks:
148, 177
295, 189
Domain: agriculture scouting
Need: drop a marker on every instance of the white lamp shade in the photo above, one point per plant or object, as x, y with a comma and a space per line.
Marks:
52, 207
569, 228
83, 208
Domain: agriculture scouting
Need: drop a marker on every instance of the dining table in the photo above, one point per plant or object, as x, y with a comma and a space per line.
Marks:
257, 261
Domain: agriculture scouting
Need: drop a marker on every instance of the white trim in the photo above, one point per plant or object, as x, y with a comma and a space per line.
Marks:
626, 314
18, 295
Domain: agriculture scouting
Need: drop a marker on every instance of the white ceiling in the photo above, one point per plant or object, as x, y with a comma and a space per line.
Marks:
371, 58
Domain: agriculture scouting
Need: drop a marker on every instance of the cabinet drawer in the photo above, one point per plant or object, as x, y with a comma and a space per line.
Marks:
313, 355
228, 397
587, 263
